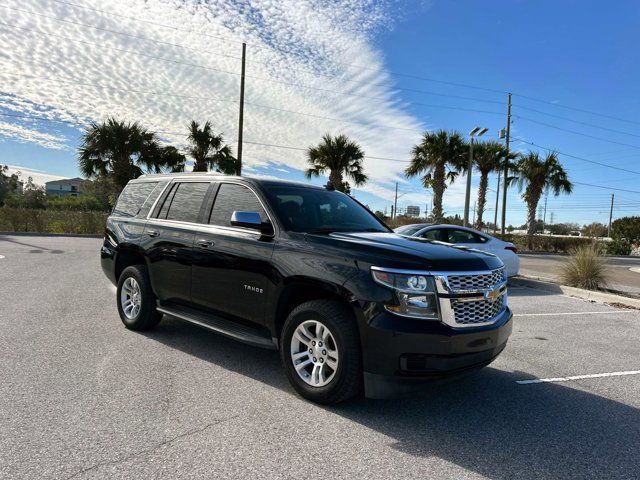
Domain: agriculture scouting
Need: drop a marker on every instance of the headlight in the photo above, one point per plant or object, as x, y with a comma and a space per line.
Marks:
416, 293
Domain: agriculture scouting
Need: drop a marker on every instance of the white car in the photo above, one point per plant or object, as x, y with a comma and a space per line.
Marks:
467, 237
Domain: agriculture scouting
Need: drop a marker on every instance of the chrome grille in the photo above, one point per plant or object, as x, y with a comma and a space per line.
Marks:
477, 311
477, 281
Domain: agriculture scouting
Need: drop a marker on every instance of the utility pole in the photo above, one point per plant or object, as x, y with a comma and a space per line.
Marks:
544, 217
495, 213
474, 213
467, 196
505, 176
241, 116
395, 203
610, 217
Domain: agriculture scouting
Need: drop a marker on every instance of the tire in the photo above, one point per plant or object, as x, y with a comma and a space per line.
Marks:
342, 382
144, 315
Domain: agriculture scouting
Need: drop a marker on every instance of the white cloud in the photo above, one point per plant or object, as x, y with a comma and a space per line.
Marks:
64, 70
39, 177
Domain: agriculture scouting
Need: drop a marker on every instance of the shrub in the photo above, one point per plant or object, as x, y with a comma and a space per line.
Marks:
585, 268
51, 221
549, 243
619, 246
627, 227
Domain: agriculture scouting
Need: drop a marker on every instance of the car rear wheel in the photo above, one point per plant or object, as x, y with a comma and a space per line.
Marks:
136, 301
320, 350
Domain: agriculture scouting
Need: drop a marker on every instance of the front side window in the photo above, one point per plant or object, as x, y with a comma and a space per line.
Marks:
186, 202
464, 236
437, 234
132, 198
232, 197
315, 210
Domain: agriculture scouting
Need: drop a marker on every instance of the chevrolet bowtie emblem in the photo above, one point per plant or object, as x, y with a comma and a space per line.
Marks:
492, 294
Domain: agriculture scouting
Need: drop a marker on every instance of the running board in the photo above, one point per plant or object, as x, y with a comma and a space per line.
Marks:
228, 328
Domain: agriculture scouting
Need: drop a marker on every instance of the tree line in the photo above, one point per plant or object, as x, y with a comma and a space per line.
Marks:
113, 152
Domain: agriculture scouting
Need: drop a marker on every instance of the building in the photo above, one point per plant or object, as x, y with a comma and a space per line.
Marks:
413, 211
68, 187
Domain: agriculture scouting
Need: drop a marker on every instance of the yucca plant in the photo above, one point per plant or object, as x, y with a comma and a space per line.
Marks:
585, 268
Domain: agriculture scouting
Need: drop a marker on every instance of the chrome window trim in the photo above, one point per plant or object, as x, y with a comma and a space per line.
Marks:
276, 228
201, 226
445, 294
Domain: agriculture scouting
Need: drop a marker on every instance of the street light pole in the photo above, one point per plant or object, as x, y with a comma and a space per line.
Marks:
478, 131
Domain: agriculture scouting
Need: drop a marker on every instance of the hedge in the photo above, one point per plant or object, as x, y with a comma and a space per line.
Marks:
51, 221
550, 243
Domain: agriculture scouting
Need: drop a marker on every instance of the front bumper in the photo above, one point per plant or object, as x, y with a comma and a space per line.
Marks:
402, 355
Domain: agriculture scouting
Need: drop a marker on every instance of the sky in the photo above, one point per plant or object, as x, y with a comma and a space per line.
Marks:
382, 72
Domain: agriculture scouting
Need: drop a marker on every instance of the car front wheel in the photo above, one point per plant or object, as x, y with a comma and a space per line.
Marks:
320, 351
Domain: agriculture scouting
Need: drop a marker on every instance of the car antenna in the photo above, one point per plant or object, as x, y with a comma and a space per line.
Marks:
329, 186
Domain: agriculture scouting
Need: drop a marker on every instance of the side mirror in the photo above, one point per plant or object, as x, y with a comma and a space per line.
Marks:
251, 220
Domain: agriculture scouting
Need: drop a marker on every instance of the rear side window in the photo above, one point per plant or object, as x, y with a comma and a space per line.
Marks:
186, 202
233, 197
153, 196
132, 198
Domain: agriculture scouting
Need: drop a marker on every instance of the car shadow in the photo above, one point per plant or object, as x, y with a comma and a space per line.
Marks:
485, 423
37, 248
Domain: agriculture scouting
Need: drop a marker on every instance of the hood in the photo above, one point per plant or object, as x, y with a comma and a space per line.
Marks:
396, 251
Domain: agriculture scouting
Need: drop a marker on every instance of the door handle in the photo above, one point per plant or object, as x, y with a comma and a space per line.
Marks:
153, 233
205, 243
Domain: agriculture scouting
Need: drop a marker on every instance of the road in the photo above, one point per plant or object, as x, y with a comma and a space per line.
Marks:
621, 276
82, 397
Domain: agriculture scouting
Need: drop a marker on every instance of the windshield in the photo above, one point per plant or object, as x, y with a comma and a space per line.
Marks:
313, 210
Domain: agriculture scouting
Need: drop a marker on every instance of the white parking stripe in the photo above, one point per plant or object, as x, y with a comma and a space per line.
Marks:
577, 377
572, 313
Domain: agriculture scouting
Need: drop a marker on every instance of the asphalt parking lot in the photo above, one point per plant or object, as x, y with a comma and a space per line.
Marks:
82, 397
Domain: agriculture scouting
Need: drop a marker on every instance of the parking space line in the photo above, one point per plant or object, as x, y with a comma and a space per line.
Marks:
572, 313
577, 377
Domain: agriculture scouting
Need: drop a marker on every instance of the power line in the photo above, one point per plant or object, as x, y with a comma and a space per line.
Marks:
122, 50
577, 109
335, 92
117, 32
364, 67
577, 158
608, 188
577, 121
577, 133
214, 99
148, 21
169, 132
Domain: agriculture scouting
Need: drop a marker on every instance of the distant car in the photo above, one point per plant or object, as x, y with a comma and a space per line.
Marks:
467, 237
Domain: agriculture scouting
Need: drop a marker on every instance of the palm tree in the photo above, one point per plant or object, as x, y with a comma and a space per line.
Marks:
440, 156
120, 150
489, 157
209, 151
540, 175
342, 157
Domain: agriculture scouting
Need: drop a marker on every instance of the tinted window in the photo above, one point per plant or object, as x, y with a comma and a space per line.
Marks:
463, 236
313, 209
409, 229
153, 196
186, 202
436, 234
132, 198
167, 202
232, 197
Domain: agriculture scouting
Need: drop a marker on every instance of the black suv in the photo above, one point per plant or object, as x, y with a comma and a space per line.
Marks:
308, 271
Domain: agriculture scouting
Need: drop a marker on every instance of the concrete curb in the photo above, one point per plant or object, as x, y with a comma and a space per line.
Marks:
39, 234
548, 285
